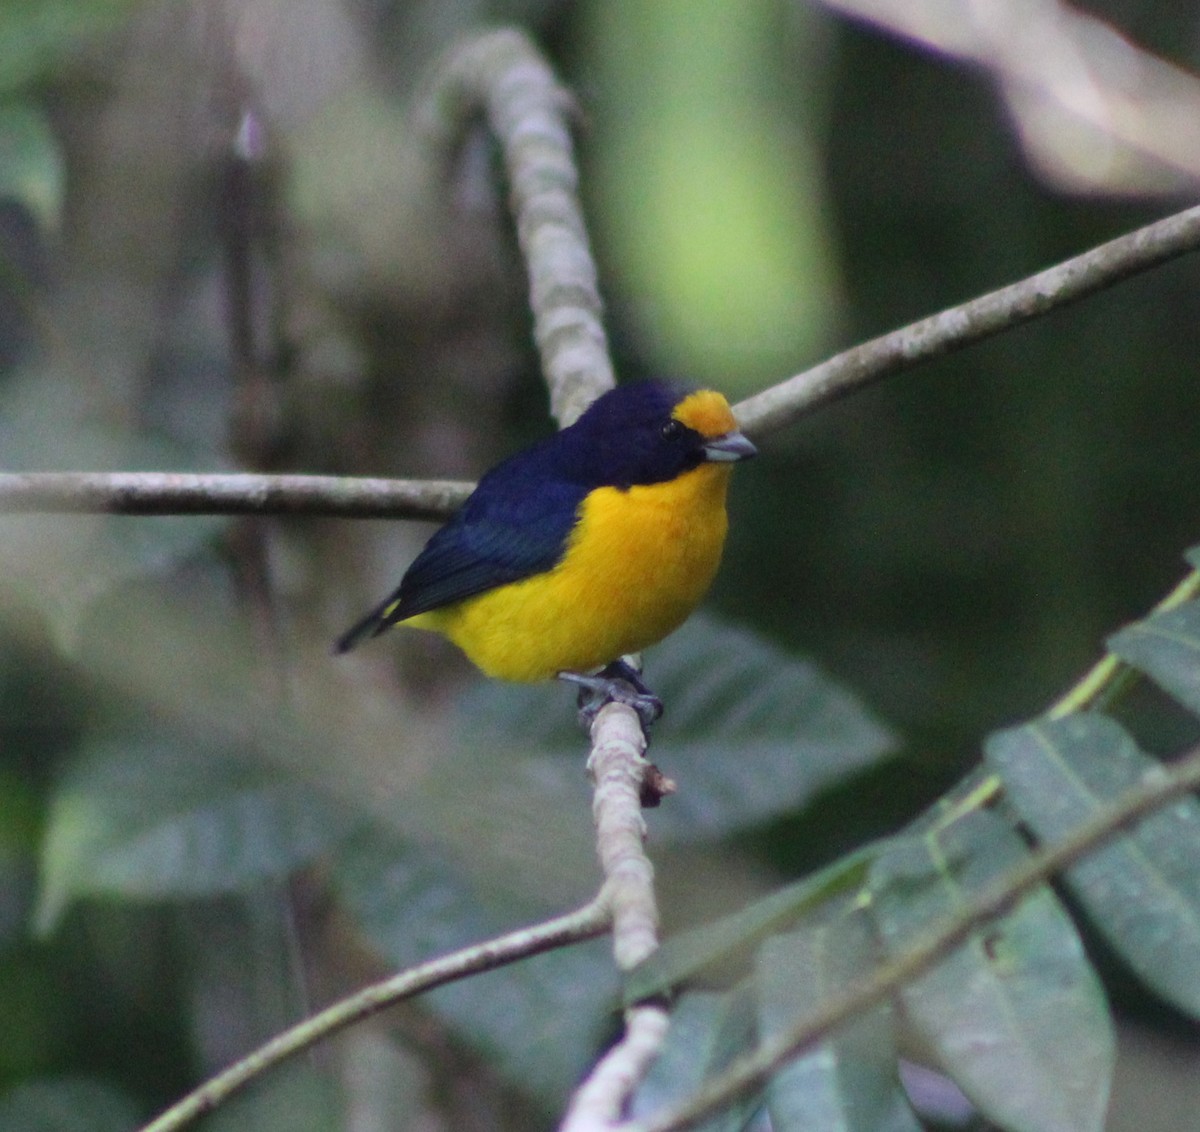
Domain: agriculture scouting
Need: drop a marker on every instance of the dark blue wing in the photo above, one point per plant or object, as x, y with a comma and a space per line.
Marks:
493, 540
514, 525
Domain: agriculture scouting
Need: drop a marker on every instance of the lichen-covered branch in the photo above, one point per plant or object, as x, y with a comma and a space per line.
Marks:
504, 76
619, 769
187, 493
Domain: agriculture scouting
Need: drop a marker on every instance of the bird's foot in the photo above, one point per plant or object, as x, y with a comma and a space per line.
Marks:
619, 682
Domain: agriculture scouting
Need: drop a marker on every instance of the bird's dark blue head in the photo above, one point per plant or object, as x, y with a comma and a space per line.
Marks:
649, 432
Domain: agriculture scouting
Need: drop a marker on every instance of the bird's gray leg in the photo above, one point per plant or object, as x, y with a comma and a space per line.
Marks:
620, 681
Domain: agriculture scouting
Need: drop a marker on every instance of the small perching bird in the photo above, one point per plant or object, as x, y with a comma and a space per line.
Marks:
585, 547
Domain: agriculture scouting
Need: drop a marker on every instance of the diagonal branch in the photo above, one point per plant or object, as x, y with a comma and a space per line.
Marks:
972, 321
586, 923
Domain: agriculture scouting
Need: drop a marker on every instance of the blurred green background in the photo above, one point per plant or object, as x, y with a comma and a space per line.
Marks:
223, 245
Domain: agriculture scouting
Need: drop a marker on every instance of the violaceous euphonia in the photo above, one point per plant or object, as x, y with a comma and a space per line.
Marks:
591, 544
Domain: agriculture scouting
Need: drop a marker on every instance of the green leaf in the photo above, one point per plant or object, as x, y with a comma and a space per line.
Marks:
749, 732
151, 819
708, 1030
540, 1020
1015, 1016
850, 1081
66, 1104
684, 955
1193, 557
1166, 647
1143, 888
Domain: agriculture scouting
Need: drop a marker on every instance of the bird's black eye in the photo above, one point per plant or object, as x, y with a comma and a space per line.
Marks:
672, 430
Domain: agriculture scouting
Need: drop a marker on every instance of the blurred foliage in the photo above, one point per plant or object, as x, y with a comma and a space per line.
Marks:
704, 163
39, 37
60, 1104
222, 245
32, 174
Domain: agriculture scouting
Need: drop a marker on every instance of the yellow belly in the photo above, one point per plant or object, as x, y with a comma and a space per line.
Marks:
639, 561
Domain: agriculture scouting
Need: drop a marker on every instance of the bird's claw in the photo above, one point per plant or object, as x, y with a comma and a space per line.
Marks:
591, 699
619, 683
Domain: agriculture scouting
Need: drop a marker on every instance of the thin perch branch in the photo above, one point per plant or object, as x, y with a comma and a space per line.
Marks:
159, 493
618, 767
503, 74
600, 1099
186, 493
587, 922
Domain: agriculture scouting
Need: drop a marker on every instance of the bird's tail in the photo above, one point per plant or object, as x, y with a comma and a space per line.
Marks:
370, 626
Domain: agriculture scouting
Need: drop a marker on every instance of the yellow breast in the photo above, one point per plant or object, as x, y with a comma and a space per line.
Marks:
638, 562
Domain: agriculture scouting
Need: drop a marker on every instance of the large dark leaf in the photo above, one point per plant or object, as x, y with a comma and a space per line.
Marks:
1166, 647
163, 818
542, 1019
849, 1082
1016, 1016
1143, 888
688, 953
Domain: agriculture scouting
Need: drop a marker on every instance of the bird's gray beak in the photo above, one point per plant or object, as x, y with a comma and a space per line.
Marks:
725, 449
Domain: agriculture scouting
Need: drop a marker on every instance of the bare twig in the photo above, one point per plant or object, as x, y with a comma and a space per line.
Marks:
186, 493
979, 318
617, 766
588, 922
597, 1103
752, 1070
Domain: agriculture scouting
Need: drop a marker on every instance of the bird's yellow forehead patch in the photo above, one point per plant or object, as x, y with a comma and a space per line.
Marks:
707, 412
